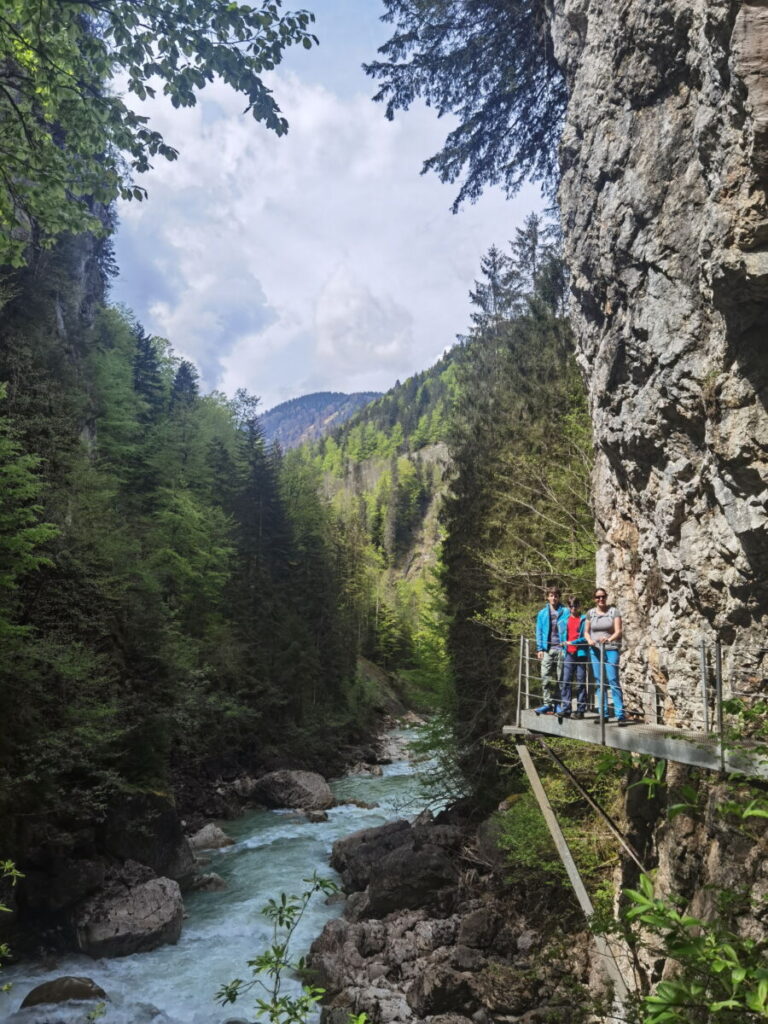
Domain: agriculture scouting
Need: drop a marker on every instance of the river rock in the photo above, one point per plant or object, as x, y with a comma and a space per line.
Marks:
398, 866
210, 837
287, 788
373, 965
59, 990
409, 877
183, 867
210, 882
244, 787
411, 720
361, 768
130, 919
478, 928
316, 817
355, 856
438, 989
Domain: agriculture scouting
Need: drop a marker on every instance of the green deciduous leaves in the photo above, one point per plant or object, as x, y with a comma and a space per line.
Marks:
69, 142
22, 534
720, 976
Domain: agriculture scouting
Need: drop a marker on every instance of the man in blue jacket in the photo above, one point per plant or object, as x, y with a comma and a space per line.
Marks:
550, 638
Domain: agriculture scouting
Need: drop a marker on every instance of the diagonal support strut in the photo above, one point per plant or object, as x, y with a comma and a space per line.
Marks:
603, 946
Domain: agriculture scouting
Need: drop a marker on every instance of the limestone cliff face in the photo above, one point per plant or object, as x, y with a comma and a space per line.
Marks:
663, 197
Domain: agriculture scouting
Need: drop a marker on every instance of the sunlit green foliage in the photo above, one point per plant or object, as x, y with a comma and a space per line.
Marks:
69, 141
720, 977
517, 513
384, 472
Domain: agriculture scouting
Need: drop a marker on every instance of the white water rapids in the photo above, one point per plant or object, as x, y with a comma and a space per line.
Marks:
273, 852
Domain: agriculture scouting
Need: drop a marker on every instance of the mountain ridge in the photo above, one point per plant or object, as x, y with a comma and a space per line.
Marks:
310, 417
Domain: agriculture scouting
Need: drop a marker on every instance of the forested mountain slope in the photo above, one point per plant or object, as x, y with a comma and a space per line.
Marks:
175, 598
384, 473
648, 124
311, 416
467, 490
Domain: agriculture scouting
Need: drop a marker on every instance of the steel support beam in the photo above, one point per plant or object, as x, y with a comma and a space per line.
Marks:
603, 946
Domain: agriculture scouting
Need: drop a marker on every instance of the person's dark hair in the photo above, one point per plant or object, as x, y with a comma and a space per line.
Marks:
553, 590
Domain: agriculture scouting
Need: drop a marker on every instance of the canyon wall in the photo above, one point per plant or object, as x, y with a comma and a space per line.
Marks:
663, 198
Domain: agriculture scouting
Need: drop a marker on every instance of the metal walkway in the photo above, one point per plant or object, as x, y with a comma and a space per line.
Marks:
705, 746
684, 745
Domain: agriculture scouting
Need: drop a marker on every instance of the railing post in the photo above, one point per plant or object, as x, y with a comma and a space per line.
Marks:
704, 692
719, 698
527, 674
602, 694
520, 682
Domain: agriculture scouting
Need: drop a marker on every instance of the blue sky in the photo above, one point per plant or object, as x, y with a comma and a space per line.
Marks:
320, 261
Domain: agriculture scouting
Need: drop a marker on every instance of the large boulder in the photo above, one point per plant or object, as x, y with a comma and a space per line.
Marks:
289, 788
210, 882
409, 877
183, 867
210, 837
125, 919
316, 817
145, 827
357, 855
438, 990
399, 867
60, 990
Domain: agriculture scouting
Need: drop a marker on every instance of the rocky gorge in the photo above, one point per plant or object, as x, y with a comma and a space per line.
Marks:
435, 930
664, 176
664, 159
125, 918
123, 895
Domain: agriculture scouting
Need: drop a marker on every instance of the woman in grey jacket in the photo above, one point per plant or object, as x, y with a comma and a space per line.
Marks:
602, 632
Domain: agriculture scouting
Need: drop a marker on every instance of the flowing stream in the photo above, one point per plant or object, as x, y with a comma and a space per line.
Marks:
273, 852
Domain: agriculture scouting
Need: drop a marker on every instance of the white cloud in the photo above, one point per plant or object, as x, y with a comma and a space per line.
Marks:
356, 329
322, 259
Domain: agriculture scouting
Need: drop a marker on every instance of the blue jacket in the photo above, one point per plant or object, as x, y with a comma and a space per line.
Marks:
542, 626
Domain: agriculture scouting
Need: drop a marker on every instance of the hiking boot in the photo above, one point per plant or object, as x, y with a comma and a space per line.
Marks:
545, 709
579, 715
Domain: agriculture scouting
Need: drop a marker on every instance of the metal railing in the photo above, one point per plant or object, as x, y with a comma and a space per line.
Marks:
708, 716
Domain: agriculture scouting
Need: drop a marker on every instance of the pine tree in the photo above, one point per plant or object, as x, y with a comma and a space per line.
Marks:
148, 377
186, 384
517, 514
491, 64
